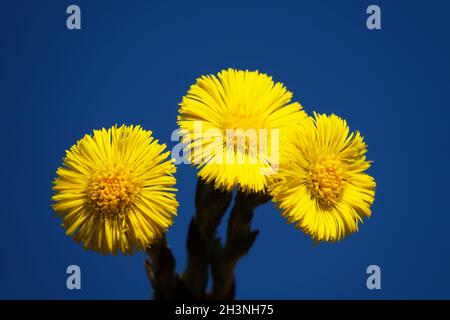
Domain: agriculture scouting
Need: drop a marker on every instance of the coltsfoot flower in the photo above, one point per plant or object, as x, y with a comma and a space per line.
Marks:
115, 191
322, 185
248, 111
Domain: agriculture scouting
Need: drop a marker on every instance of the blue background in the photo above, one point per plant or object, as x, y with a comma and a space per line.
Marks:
134, 60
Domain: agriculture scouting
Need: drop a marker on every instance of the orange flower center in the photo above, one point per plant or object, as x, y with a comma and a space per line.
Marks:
243, 130
111, 191
327, 182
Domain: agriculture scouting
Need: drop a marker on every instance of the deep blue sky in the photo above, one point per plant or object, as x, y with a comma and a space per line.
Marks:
134, 60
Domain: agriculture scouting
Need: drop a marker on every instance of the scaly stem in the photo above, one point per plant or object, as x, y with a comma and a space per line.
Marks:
161, 272
211, 205
204, 249
240, 239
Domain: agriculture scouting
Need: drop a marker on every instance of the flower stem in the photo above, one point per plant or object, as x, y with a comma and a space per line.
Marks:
211, 205
240, 239
161, 272
204, 249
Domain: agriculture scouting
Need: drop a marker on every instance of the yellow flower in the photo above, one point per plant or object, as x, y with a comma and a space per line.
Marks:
231, 124
323, 187
115, 190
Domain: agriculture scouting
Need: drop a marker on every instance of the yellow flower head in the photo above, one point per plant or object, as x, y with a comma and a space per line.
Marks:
115, 190
322, 186
232, 123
